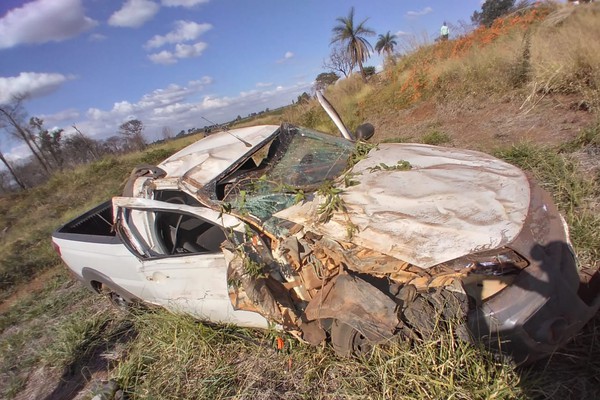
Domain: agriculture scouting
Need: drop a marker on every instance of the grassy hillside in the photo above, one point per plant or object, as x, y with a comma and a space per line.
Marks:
525, 90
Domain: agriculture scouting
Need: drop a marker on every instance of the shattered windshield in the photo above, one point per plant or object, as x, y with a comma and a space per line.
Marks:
294, 163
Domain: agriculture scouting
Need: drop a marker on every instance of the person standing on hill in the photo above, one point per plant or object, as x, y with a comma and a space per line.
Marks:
444, 31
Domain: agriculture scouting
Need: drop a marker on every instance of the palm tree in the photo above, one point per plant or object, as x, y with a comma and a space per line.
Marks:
386, 44
351, 37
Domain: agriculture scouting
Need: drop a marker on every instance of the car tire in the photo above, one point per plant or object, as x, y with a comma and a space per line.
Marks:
347, 341
116, 299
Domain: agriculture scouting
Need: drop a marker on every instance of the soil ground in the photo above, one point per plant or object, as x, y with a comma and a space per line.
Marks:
489, 123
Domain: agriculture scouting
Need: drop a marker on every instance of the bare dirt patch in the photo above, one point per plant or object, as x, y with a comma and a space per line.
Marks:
33, 285
486, 123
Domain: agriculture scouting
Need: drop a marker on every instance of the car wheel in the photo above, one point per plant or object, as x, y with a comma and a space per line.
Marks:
115, 298
347, 341
118, 301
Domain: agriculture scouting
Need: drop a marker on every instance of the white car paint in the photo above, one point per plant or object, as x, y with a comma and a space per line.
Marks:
192, 283
204, 160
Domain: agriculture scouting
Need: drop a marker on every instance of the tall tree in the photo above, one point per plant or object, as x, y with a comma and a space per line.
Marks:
351, 36
167, 133
385, 43
133, 132
492, 10
11, 119
88, 143
11, 171
49, 142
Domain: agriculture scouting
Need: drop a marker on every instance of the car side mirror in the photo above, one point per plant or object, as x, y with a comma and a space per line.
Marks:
364, 131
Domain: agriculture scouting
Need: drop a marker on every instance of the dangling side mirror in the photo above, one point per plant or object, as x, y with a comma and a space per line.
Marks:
364, 131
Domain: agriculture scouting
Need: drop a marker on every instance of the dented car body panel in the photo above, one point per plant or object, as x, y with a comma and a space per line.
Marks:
292, 227
450, 203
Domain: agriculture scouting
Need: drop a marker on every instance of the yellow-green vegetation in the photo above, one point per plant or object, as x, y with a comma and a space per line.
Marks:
575, 193
64, 333
176, 357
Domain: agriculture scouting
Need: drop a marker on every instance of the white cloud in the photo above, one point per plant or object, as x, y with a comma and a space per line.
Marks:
287, 56
32, 84
164, 57
123, 107
42, 21
97, 37
184, 31
189, 50
205, 80
60, 118
402, 33
172, 94
96, 114
134, 13
180, 51
264, 84
183, 3
415, 14
179, 107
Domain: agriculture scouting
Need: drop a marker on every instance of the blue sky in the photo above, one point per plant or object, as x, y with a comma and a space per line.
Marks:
98, 63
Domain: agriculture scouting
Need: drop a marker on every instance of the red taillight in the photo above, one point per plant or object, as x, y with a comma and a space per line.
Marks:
56, 248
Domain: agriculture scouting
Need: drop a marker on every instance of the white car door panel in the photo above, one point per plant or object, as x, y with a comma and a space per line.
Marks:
179, 248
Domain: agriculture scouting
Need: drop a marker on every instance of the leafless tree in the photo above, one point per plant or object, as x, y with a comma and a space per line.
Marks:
11, 171
12, 116
114, 144
339, 61
88, 143
49, 143
77, 149
133, 132
167, 133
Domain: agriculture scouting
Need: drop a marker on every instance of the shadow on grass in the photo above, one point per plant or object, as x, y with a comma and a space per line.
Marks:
572, 372
92, 359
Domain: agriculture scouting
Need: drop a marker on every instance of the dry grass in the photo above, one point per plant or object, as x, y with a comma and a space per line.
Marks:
565, 57
176, 357
518, 56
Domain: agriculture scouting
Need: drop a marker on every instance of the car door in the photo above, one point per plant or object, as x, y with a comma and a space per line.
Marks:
179, 248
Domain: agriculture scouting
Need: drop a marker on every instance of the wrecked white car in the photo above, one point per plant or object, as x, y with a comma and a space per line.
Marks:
330, 238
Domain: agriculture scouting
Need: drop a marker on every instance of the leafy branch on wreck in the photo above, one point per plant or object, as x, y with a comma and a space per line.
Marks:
401, 165
253, 268
361, 151
333, 201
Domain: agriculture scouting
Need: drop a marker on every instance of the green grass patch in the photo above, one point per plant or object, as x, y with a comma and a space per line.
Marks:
27, 329
155, 156
76, 337
436, 138
574, 193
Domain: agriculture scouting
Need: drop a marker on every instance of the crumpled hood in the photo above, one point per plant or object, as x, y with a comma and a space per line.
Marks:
451, 203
